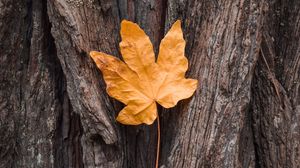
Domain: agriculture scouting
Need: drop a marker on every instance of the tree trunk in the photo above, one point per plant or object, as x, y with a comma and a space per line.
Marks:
55, 112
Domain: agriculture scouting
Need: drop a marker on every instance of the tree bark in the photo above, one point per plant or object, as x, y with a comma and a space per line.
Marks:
55, 112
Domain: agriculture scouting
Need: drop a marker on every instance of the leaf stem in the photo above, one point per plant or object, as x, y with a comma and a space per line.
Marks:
158, 141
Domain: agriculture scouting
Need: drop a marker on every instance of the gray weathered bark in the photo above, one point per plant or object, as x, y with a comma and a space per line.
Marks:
54, 111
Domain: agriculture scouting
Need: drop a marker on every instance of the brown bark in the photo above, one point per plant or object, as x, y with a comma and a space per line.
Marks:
54, 111
275, 89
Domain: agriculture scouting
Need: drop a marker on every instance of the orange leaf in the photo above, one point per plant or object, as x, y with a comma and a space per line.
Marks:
139, 82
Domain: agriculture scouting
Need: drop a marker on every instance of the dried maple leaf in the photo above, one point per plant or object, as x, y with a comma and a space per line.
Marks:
139, 82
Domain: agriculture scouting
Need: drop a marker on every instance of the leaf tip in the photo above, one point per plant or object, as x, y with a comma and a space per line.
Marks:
130, 29
126, 23
178, 23
94, 54
193, 85
196, 82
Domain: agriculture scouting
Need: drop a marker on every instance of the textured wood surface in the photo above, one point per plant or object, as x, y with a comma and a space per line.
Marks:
54, 111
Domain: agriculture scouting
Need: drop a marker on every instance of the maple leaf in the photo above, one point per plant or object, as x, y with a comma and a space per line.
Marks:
139, 82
